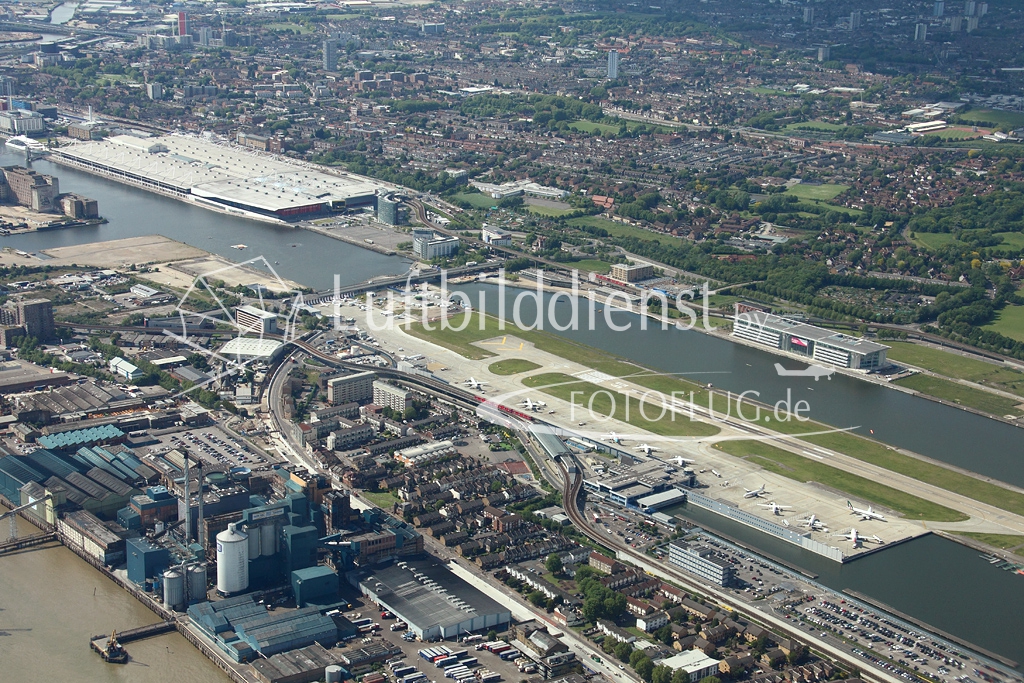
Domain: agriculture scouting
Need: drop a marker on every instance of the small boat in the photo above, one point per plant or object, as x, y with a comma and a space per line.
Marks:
239, 246
113, 652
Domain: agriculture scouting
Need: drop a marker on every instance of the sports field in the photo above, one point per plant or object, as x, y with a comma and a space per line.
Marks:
999, 118
1009, 322
819, 192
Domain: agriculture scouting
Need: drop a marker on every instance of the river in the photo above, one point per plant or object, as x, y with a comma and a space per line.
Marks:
942, 432
63, 13
306, 257
932, 579
51, 601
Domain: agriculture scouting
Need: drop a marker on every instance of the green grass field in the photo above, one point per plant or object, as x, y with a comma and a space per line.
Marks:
385, 500
999, 118
960, 133
817, 192
958, 367
477, 199
933, 240
822, 126
512, 366
1014, 240
961, 395
461, 342
548, 210
996, 540
801, 469
1009, 322
593, 402
594, 265
289, 26
847, 443
623, 230
592, 127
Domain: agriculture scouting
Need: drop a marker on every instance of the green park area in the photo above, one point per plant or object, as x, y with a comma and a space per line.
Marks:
933, 240
512, 366
593, 127
822, 126
477, 200
1009, 322
591, 264
553, 211
961, 395
993, 116
616, 229
802, 469
850, 444
957, 366
823, 192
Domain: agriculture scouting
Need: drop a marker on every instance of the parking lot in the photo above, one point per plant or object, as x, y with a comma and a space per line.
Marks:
217, 448
410, 649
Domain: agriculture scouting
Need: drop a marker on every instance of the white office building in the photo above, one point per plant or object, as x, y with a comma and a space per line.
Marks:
496, 236
811, 343
389, 396
613, 64
357, 388
252, 319
700, 561
21, 122
428, 244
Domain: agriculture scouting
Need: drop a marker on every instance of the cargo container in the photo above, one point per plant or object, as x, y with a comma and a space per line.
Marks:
373, 678
458, 653
468, 661
404, 671
448, 660
396, 662
362, 622
455, 671
412, 678
510, 655
498, 649
488, 677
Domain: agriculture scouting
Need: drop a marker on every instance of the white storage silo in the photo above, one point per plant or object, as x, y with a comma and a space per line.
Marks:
232, 561
254, 540
333, 673
174, 589
197, 583
268, 539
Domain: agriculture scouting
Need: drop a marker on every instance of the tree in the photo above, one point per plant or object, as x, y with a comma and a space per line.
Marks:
661, 674
492, 635
680, 676
635, 657
711, 679
644, 668
537, 598
623, 651
554, 564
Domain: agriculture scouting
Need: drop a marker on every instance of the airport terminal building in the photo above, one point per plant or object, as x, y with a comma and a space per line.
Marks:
813, 343
222, 177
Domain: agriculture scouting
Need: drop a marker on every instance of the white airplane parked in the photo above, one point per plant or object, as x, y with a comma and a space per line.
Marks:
756, 493
613, 437
682, 461
857, 539
474, 384
813, 523
776, 509
866, 515
532, 405
815, 371
647, 449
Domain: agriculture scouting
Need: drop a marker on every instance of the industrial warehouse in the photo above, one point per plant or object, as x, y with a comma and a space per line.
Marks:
807, 341
433, 601
221, 177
